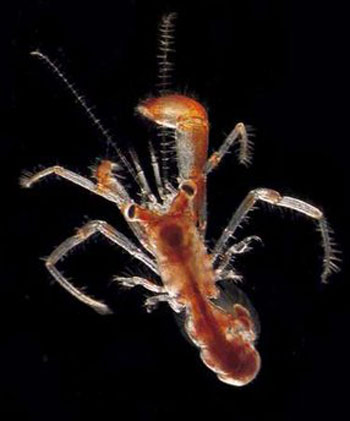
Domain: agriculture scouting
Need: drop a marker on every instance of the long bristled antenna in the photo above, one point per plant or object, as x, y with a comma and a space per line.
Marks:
79, 98
166, 51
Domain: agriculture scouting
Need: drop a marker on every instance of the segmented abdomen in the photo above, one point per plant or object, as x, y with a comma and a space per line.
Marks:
226, 340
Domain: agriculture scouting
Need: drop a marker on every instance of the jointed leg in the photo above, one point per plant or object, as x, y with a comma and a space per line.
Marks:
55, 256
274, 198
28, 179
242, 247
118, 238
166, 145
107, 180
226, 274
152, 302
239, 133
146, 192
136, 280
156, 172
82, 235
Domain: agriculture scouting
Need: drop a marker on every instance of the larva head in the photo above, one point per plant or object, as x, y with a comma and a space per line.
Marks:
171, 110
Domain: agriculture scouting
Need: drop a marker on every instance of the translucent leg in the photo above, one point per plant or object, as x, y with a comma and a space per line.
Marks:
108, 181
28, 179
239, 133
274, 198
242, 247
146, 192
82, 235
135, 280
152, 302
156, 172
228, 274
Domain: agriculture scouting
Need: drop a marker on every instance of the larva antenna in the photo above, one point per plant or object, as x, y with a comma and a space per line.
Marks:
166, 49
79, 98
166, 52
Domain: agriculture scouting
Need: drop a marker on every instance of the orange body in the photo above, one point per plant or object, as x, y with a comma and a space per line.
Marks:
226, 339
189, 119
170, 225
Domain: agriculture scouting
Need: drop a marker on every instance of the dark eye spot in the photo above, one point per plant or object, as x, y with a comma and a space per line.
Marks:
188, 189
172, 235
131, 212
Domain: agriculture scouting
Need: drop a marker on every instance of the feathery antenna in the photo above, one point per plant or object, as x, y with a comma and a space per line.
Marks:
80, 99
166, 52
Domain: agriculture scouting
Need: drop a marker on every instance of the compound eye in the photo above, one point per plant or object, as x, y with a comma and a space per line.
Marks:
189, 188
130, 212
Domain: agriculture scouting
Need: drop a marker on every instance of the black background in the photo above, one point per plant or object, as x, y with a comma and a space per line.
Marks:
277, 65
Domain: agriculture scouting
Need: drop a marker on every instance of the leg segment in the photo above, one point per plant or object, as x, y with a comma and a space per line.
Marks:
146, 192
242, 247
152, 303
135, 280
239, 133
107, 180
28, 179
274, 198
156, 172
82, 235
225, 274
